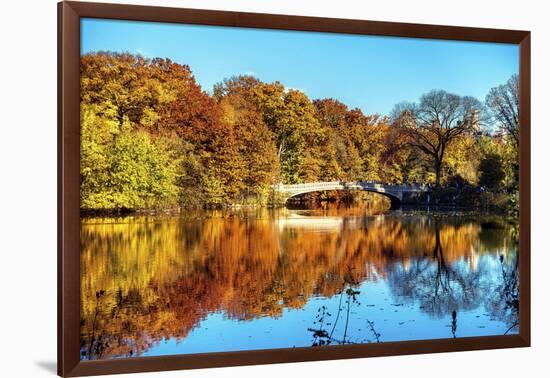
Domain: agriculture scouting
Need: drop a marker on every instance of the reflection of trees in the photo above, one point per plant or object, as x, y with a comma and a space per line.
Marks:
324, 332
439, 285
158, 278
443, 287
503, 303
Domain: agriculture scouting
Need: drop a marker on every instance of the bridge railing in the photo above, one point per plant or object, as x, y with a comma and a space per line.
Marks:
351, 185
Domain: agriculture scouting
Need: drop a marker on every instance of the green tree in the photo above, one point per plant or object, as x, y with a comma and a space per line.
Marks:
505, 149
137, 173
491, 172
98, 128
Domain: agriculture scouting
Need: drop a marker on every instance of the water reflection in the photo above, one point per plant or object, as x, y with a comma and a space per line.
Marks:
254, 280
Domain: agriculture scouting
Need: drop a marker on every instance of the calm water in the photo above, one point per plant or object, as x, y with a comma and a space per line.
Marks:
212, 281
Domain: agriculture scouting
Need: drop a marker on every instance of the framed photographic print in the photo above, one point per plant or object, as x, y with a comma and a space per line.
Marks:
239, 188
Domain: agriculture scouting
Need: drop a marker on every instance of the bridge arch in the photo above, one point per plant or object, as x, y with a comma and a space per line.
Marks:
396, 193
395, 201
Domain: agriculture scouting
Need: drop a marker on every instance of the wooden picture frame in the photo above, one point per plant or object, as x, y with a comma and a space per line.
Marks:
69, 15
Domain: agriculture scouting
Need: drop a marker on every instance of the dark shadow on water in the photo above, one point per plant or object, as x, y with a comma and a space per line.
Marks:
49, 366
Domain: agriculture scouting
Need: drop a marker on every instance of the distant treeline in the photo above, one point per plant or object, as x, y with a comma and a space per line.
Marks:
151, 137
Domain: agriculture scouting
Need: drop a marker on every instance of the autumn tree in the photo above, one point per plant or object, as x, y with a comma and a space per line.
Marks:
223, 176
338, 156
288, 114
255, 145
462, 158
146, 103
437, 120
373, 139
356, 143
185, 108
118, 81
503, 104
151, 136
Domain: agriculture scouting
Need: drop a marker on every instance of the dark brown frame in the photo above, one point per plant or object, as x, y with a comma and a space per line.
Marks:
69, 14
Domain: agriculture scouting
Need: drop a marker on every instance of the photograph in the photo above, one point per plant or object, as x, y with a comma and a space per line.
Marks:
248, 189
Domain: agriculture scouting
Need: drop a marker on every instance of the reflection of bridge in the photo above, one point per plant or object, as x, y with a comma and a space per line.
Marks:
396, 193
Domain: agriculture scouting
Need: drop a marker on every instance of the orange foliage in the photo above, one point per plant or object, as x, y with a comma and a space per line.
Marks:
145, 279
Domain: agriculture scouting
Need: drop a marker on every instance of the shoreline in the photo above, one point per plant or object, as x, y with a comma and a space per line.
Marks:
123, 213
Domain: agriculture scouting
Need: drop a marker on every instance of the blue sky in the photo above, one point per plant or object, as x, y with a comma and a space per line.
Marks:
371, 73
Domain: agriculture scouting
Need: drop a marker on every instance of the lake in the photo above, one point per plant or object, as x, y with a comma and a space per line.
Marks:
213, 281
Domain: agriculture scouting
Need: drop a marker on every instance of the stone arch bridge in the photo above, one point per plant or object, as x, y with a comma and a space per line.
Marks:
398, 194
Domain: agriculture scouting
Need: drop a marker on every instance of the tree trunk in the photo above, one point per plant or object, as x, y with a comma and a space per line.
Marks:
437, 167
